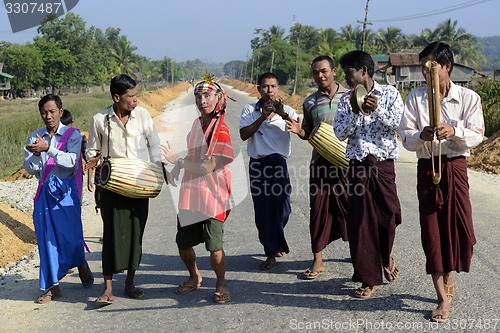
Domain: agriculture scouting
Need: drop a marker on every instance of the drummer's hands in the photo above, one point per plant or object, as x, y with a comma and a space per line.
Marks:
90, 181
173, 176
92, 162
168, 153
294, 126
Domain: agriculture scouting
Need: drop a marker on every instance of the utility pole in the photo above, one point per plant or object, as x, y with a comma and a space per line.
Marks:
272, 61
296, 63
365, 22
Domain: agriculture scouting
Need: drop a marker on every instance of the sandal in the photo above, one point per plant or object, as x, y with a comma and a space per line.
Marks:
104, 300
88, 281
134, 293
47, 297
311, 274
185, 288
364, 291
391, 274
449, 289
221, 298
440, 315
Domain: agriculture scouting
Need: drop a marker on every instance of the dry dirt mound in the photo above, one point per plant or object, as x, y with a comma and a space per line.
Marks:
486, 156
17, 175
17, 236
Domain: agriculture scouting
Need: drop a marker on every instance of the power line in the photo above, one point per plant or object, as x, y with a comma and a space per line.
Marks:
434, 12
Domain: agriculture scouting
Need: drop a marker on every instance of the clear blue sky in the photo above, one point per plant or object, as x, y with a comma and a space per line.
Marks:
221, 30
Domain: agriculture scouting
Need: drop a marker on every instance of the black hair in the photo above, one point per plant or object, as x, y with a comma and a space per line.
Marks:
441, 51
324, 57
48, 98
358, 59
66, 118
267, 75
120, 84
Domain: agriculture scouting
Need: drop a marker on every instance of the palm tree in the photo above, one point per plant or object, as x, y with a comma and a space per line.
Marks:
123, 53
466, 47
391, 39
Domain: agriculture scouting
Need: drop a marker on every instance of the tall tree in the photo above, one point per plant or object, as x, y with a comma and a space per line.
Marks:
25, 63
123, 53
391, 39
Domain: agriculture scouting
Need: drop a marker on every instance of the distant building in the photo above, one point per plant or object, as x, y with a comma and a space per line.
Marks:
407, 70
4, 80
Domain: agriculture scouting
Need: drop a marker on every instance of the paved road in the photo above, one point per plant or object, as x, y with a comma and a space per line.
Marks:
278, 300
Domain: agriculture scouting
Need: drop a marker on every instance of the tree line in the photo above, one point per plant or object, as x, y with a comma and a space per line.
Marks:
67, 54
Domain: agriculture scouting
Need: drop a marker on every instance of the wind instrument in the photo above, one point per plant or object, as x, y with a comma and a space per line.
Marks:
434, 100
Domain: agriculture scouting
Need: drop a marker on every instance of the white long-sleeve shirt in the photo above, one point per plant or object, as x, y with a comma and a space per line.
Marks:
137, 140
461, 108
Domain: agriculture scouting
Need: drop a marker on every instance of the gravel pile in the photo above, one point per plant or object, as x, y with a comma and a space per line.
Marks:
19, 195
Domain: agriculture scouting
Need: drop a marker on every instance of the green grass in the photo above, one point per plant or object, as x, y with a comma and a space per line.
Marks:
19, 117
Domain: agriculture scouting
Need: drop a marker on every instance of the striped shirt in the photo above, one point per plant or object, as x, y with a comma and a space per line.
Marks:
208, 194
317, 108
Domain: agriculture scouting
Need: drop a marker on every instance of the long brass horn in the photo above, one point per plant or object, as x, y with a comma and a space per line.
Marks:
433, 97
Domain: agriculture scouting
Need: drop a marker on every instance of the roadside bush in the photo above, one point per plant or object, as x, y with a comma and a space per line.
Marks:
489, 90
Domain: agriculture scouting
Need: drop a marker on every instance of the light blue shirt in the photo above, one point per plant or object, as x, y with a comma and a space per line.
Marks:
66, 162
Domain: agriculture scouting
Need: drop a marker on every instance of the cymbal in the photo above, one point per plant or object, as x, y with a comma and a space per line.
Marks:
361, 93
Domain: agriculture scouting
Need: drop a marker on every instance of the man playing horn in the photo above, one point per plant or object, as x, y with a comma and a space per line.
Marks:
445, 210
124, 218
269, 145
370, 124
327, 193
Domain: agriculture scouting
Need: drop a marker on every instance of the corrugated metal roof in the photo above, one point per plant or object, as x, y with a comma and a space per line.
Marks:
404, 58
7, 75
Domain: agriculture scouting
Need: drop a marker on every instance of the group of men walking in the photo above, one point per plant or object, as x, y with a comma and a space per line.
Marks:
367, 219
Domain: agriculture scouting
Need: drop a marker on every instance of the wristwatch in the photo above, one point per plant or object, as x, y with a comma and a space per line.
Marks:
180, 163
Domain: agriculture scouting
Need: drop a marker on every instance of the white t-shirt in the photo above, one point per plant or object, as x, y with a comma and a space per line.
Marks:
272, 136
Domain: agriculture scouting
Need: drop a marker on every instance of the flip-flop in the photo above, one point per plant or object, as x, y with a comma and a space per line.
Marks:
391, 274
104, 300
185, 288
134, 293
364, 292
47, 297
221, 298
311, 274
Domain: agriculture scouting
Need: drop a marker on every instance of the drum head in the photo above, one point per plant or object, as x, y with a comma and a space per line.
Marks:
105, 172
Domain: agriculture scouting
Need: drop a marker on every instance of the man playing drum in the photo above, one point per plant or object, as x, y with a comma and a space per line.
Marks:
327, 193
124, 217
